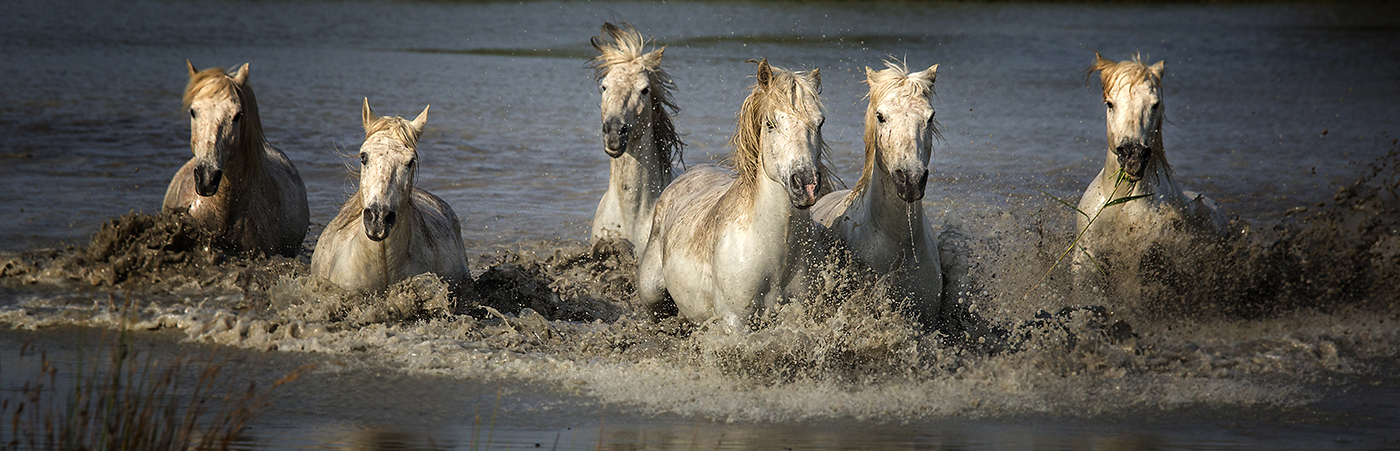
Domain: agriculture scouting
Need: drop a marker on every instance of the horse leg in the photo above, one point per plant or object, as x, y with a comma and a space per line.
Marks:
651, 282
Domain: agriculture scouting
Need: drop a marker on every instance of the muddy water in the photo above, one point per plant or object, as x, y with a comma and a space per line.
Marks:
1282, 337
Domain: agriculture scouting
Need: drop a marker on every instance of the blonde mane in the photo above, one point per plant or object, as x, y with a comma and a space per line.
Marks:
894, 80
782, 93
215, 82
627, 46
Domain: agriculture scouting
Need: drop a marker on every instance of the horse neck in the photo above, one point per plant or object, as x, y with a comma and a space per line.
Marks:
770, 208
640, 173
880, 201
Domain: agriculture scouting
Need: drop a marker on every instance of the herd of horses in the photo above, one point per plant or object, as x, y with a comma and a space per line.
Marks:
724, 243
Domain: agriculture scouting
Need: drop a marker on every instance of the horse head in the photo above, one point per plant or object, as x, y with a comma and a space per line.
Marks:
631, 83
784, 116
388, 166
900, 128
220, 114
1132, 95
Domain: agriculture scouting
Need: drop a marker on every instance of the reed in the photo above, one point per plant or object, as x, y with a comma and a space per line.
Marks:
120, 399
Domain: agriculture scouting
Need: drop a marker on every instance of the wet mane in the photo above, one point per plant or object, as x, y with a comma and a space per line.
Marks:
894, 80
783, 92
625, 45
215, 82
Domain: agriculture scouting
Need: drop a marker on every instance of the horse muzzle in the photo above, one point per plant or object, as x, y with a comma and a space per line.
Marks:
379, 220
802, 188
1133, 159
206, 180
909, 185
616, 134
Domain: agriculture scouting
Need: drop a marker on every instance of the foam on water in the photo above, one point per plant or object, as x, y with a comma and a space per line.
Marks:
1262, 319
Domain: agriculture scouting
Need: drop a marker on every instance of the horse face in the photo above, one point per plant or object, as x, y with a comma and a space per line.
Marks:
792, 145
215, 124
626, 106
905, 127
1134, 113
387, 171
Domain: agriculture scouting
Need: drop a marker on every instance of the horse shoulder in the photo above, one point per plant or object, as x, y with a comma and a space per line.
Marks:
334, 243
439, 236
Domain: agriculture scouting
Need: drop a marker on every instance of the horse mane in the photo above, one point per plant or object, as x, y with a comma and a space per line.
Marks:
625, 45
213, 82
783, 92
894, 80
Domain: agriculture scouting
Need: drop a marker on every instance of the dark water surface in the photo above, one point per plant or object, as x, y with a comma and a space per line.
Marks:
1270, 107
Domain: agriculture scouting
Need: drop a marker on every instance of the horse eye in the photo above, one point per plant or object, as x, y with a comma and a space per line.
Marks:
602, 88
191, 113
1156, 105
646, 90
410, 162
1109, 103
364, 158
879, 117
768, 124
237, 116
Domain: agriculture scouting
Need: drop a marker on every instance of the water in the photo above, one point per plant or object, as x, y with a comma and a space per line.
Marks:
1270, 107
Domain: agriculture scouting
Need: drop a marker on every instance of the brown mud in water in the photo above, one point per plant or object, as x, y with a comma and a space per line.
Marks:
1248, 320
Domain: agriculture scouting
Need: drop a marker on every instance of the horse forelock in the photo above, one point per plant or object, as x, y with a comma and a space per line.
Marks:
894, 80
624, 45
1114, 75
397, 128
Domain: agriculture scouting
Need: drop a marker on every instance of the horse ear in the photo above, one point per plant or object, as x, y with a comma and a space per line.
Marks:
242, 76
190, 66
1100, 63
869, 74
420, 121
1158, 69
611, 30
765, 73
932, 72
367, 116
597, 43
817, 79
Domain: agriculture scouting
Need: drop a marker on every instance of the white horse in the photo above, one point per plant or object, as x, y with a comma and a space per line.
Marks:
637, 133
725, 246
391, 230
261, 207
1135, 168
881, 220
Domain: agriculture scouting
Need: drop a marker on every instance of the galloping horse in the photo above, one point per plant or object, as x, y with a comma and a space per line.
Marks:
390, 230
881, 220
725, 246
637, 133
237, 186
1136, 165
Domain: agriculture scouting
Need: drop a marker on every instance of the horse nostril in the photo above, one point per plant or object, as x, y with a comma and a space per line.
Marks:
923, 180
795, 182
623, 129
389, 219
900, 177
